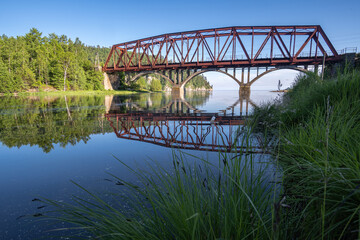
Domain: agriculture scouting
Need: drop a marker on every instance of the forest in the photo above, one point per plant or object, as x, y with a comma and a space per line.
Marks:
48, 63
35, 62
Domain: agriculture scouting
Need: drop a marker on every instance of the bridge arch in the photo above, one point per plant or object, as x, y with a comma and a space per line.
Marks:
208, 70
276, 69
137, 76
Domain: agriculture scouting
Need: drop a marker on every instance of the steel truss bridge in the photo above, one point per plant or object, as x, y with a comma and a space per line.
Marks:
206, 132
178, 57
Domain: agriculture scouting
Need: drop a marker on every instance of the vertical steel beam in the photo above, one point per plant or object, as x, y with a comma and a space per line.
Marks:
242, 75
252, 44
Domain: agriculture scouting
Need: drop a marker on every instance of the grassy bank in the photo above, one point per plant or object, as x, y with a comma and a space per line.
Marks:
316, 144
319, 149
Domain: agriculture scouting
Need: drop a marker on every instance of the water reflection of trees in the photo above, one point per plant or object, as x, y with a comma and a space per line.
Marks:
47, 121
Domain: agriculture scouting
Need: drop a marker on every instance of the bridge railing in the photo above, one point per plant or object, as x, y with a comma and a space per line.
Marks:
303, 54
347, 50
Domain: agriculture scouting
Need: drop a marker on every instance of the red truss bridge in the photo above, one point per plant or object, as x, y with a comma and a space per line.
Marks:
206, 132
178, 57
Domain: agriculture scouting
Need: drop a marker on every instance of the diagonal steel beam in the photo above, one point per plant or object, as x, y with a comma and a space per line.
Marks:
282, 42
304, 44
262, 45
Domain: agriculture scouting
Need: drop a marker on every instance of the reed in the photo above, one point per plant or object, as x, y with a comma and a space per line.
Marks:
319, 155
230, 199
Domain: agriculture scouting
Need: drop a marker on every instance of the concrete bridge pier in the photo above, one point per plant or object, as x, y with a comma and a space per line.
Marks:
244, 91
177, 92
244, 96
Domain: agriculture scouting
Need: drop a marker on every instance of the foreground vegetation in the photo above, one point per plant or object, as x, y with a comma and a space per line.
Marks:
314, 134
319, 149
197, 201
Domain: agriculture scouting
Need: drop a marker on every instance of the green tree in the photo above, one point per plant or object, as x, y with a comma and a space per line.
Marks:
55, 74
155, 85
66, 59
5, 80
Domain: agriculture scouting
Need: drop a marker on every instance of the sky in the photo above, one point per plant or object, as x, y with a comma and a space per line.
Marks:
106, 23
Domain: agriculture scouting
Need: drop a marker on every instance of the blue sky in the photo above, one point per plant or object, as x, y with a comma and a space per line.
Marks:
106, 23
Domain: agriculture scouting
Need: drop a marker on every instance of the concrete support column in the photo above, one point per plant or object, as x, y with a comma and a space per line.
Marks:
242, 75
177, 77
177, 92
244, 91
244, 96
181, 76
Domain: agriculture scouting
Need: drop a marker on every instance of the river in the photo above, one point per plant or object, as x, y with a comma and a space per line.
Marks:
48, 141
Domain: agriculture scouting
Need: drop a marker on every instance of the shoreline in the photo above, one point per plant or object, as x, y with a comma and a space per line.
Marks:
85, 92
73, 93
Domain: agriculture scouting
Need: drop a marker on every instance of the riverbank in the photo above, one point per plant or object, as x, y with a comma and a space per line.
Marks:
316, 127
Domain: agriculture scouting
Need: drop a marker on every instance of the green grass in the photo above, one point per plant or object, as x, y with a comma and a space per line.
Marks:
231, 199
320, 155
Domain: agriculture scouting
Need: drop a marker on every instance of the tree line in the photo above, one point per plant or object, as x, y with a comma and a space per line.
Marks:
56, 62
36, 61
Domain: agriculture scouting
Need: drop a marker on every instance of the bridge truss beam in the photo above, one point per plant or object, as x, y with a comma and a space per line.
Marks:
227, 47
182, 131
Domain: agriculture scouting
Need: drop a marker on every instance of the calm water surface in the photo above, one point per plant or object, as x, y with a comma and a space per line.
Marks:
48, 141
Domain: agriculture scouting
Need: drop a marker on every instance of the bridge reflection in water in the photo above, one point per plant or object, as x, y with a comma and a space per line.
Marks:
178, 104
205, 132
